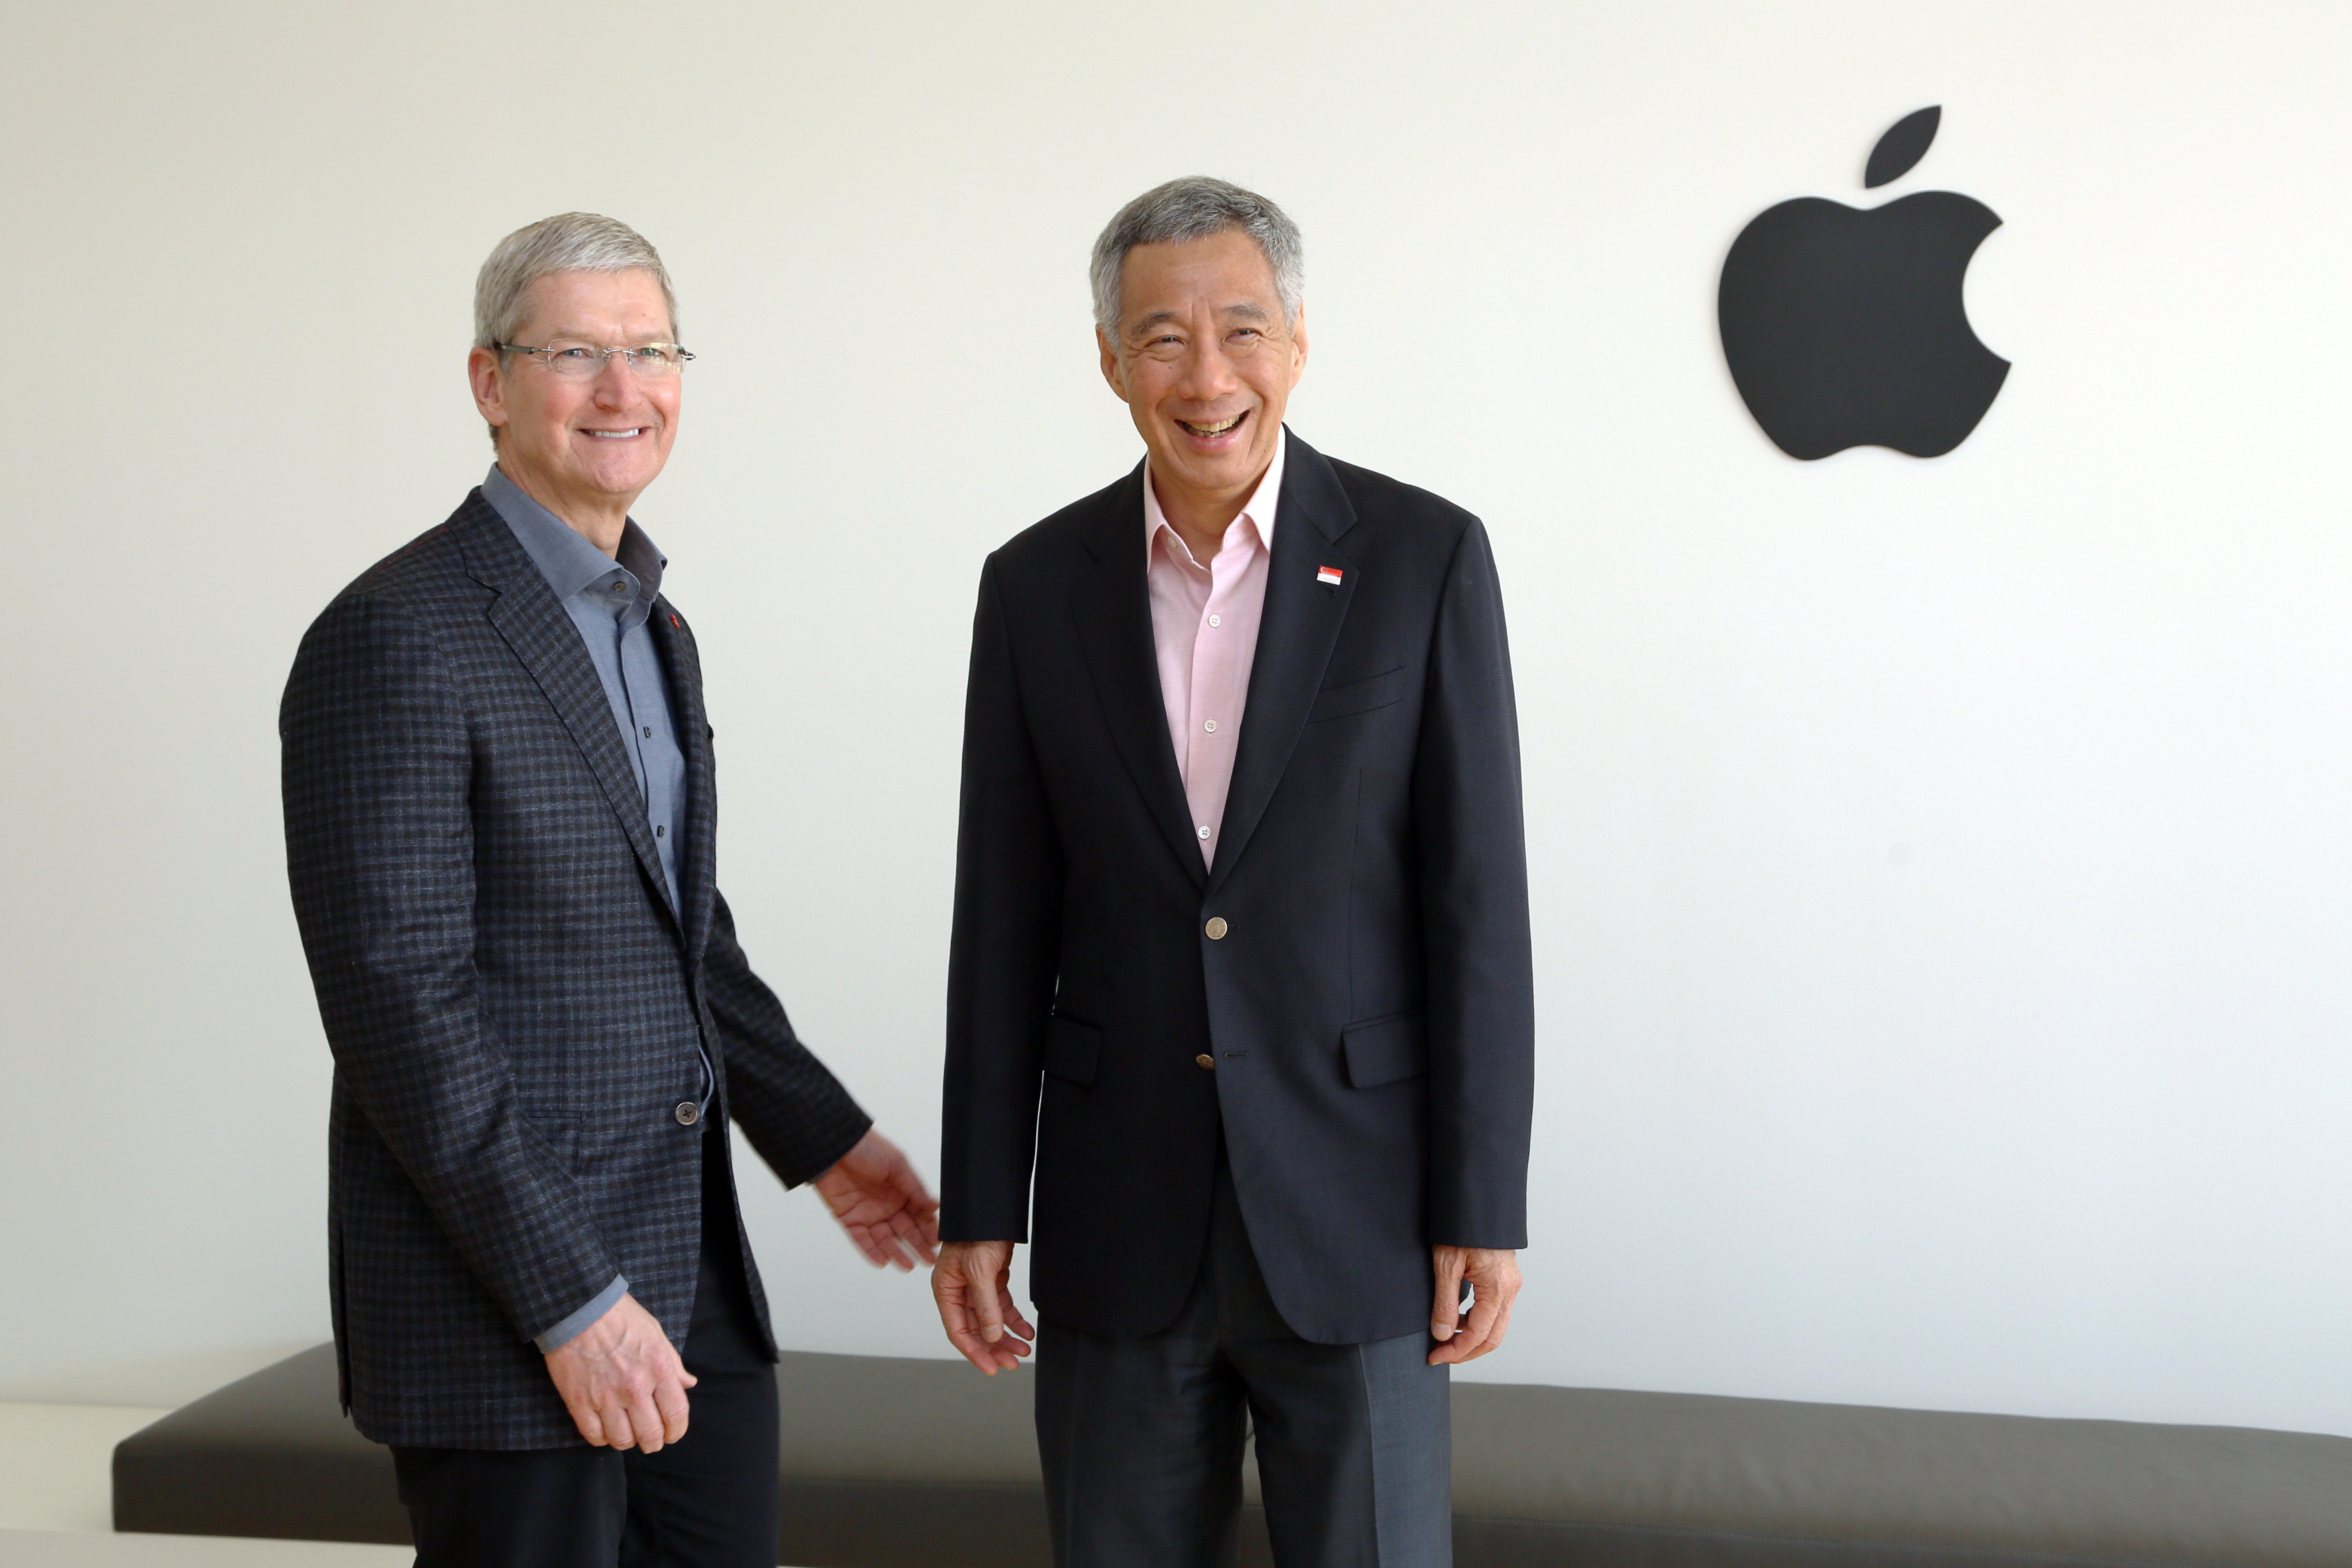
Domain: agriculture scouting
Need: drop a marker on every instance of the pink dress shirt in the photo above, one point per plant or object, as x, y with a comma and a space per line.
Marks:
1205, 623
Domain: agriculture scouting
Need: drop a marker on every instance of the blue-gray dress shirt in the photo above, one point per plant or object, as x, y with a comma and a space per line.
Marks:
609, 599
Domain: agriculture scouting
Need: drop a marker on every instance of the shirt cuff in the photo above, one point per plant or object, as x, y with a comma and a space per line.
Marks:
569, 1328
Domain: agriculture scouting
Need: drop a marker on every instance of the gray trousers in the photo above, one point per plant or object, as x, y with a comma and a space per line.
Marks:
1142, 1438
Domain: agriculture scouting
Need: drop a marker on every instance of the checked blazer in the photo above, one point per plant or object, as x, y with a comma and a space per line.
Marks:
513, 1005
1353, 972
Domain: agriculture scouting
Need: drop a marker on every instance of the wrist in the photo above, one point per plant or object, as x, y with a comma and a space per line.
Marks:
589, 1314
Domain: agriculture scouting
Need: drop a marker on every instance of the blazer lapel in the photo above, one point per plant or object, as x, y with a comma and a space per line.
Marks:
1113, 610
1295, 635
699, 883
542, 634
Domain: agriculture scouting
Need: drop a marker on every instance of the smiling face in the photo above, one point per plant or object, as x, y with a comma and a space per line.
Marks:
584, 450
1204, 364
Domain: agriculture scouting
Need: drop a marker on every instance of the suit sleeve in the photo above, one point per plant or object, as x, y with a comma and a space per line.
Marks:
377, 770
1005, 951
794, 1111
1474, 881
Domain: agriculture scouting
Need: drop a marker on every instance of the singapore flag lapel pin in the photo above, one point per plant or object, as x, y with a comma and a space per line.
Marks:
1329, 575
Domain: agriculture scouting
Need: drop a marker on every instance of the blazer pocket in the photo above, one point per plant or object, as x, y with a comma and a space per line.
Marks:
561, 1129
1073, 1049
1358, 697
1386, 1050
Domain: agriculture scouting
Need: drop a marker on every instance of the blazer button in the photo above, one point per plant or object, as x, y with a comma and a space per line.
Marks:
1204, 1061
1217, 928
688, 1113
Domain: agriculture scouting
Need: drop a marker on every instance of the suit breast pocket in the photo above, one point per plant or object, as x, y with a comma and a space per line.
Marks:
1386, 1050
1358, 697
1073, 1049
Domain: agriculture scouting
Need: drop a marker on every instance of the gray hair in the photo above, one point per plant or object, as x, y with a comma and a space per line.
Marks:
568, 242
1197, 207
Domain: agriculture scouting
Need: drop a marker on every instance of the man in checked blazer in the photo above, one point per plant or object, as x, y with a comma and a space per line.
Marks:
1240, 986
500, 811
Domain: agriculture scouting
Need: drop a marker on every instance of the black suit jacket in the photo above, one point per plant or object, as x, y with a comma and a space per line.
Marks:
1369, 1007
513, 1005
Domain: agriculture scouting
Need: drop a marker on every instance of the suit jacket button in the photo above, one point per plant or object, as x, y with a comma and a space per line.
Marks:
688, 1113
1205, 1061
1217, 928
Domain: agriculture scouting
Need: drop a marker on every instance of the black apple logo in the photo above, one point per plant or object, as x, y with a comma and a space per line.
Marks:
1845, 327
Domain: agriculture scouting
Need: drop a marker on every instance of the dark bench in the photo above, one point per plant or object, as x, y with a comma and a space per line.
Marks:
892, 1463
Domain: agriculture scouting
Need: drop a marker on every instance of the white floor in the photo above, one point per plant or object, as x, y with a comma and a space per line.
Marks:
55, 1464
79, 1548
57, 1503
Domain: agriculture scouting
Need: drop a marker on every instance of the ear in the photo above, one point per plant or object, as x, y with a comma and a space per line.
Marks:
488, 378
1110, 365
1298, 344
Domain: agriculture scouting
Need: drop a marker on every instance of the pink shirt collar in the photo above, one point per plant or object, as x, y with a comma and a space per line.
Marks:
1260, 509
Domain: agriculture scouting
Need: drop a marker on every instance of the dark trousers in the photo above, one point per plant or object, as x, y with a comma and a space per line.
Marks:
707, 1501
1142, 1438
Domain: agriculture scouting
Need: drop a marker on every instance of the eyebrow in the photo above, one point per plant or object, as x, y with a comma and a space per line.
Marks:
573, 335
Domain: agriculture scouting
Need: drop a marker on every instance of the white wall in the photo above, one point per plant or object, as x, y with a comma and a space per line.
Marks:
1941, 867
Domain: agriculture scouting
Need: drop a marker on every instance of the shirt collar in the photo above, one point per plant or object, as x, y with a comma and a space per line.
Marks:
563, 557
1259, 509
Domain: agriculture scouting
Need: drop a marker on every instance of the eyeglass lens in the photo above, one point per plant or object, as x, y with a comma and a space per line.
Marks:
582, 361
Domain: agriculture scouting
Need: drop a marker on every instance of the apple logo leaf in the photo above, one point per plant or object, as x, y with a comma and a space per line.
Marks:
1905, 143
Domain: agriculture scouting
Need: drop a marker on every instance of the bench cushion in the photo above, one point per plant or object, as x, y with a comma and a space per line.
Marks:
271, 1454
1602, 1476
885, 1460
896, 1463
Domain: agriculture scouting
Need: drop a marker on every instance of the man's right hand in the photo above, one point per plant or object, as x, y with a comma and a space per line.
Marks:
972, 1283
622, 1380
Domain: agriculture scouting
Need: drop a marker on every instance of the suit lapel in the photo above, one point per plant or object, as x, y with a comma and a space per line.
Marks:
1113, 609
699, 882
543, 635
1296, 632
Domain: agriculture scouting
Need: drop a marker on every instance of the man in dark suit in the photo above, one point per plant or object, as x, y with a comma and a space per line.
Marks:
1241, 961
500, 812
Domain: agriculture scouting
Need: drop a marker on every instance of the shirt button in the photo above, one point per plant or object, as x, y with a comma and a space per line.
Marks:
687, 1113
1208, 1062
1204, 831
1216, 621
620, 588
661, 832
1211, 726
1216, 927
649, 732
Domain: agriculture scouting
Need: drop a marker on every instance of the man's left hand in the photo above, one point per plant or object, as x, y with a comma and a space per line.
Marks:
879, 1201
1494, 1274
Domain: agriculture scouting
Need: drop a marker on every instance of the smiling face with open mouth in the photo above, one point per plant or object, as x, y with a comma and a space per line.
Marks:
1204, 363
584, 449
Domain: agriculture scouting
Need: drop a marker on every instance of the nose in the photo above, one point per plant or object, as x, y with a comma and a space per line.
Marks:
1208, 373
616, 384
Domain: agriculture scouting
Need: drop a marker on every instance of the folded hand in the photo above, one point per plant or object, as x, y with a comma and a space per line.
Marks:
622, 1380
1494, 1274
